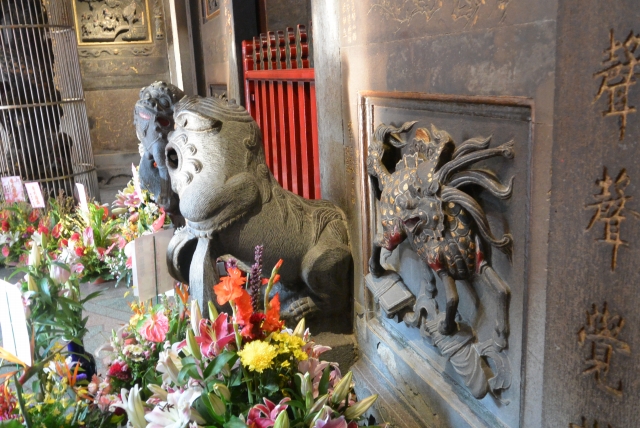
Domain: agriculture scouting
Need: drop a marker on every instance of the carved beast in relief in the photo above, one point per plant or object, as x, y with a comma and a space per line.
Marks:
232, 202
422, 202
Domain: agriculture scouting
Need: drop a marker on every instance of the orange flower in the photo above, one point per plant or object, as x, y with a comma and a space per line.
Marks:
272, 321
182, 290
276, 278
244, 308
230, 287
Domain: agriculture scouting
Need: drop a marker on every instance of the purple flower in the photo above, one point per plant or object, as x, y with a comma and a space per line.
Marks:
255, 278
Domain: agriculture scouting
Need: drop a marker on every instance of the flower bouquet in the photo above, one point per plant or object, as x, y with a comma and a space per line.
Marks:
88, 239
137, 215
19, 222
243, 369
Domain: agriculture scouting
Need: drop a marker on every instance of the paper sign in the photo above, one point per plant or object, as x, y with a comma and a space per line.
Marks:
150, 271
82, 198
12, 188
35, 194
15, 337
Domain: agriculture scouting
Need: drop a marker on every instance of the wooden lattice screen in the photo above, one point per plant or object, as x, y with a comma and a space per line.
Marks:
280, 95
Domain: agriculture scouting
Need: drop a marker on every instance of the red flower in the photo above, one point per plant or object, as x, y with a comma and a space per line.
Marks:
56, 230
64, 243
43, 229
8, 403
119, 369
244, 308
5, 251
33, 217
230, 287
252, 330
79, 251
5, 226
75, 236
272, 321
30, 230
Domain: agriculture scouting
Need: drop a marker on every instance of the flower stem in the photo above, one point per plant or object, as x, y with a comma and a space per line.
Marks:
239, 346
23, 410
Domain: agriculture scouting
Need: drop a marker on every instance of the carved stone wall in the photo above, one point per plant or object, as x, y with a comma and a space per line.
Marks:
122, 47
592, 353
474, 69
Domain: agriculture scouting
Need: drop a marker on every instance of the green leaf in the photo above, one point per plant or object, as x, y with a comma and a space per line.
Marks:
61, 265
219, 362
271, 387
91, 296
45, 290
13, 423
235, 422
323, 386
203, 407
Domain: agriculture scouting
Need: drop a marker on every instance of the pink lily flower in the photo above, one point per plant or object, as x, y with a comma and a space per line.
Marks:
269, 410
213, 338
334, 423
87, 237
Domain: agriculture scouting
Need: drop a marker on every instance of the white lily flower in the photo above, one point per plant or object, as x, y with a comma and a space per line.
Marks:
196, 316
133, 405
176, 412
34, 256
158, 392
169, 364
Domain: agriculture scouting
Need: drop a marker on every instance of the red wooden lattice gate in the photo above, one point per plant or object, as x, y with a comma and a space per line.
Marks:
280, 94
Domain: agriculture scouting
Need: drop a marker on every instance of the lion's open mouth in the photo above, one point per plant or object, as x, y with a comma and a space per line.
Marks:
411, 223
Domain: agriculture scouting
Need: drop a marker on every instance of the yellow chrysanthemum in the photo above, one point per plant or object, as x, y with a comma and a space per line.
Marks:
258, 355
288, 343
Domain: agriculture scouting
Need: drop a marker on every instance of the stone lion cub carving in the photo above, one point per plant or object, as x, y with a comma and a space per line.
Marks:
232, 203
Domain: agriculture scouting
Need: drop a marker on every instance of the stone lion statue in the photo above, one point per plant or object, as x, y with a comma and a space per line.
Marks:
153, 119
232, 202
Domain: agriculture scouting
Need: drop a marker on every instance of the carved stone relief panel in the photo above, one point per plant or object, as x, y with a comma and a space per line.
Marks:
445, 187
115, 21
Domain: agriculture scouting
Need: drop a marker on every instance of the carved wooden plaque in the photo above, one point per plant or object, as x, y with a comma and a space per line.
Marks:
112, 21
477, 364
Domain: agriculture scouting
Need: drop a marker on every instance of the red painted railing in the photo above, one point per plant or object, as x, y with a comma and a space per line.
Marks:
280, 94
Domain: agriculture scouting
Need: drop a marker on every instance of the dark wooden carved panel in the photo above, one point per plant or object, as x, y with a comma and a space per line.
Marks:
480, 360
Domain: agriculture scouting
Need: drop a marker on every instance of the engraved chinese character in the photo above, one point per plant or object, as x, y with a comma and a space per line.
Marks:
584, 424
610, 209
620, 67
600, 336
